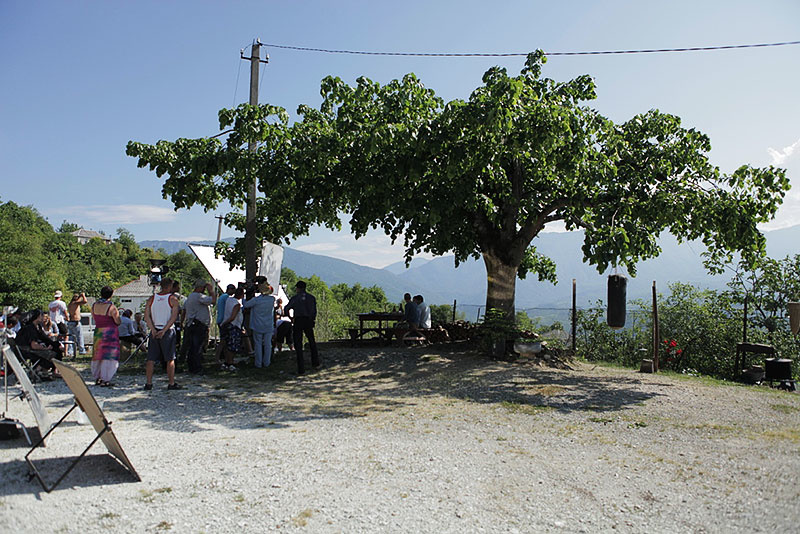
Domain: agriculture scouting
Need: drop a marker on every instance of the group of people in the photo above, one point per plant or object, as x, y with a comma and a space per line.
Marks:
416, 313
270, 321
41, 337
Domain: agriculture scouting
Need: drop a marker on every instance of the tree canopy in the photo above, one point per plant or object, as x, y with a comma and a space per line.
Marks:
480, 177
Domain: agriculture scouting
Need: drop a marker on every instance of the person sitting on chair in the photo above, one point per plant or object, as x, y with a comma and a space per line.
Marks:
35, 345
127, 329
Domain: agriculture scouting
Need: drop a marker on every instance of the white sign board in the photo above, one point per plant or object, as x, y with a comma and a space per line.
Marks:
222, 273
29, 392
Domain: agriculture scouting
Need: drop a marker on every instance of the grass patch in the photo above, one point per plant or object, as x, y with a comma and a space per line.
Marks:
785, 408
604, 420
164, 525
109, 515
530, 409
149, 496
789, 434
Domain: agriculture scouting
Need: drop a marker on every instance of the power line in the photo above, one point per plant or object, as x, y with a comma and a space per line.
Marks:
512, 54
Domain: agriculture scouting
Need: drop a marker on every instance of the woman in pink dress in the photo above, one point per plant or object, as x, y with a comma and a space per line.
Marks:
105, 357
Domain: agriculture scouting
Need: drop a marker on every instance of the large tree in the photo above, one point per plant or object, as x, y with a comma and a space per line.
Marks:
483, 177
476, 178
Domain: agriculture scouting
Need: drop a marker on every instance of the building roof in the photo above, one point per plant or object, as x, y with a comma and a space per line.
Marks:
82, 233
136, 288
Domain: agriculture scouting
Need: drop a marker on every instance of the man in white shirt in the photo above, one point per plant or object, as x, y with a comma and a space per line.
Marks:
160, 314
58, 313
424, 312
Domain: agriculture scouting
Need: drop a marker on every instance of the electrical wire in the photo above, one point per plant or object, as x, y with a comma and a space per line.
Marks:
261, 81
236, 89
511, 54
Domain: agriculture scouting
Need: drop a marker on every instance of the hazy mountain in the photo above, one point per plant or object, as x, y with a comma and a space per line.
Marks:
400, 266
441, 282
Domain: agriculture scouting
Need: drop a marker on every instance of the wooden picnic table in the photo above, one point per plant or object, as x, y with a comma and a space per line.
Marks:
384, 327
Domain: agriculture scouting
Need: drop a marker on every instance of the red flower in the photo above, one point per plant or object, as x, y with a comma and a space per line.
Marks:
673, 343
679, 351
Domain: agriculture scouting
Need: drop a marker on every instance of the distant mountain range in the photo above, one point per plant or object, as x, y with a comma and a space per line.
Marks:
441, 283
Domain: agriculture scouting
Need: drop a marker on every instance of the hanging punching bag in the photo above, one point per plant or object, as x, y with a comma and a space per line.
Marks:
617, 288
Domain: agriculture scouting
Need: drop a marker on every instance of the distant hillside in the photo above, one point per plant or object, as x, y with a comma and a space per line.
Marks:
441, 283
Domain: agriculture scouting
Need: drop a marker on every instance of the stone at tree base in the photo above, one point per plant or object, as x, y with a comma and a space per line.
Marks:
647, 366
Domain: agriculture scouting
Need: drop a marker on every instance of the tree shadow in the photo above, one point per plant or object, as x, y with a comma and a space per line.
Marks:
359, 381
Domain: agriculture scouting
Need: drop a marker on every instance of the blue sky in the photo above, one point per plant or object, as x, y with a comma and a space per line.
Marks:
82, 78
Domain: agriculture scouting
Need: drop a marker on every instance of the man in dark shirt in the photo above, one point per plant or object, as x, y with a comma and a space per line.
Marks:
35, 345
411, 312
305, 315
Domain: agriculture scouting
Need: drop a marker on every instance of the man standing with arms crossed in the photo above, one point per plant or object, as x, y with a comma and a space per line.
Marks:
160, 314
305, 315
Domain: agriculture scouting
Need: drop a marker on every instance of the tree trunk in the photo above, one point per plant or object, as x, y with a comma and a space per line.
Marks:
502, 283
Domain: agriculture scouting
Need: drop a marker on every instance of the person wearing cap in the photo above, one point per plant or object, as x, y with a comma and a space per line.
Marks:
262, 321
305, 315
196, 323
229, 291
58, 313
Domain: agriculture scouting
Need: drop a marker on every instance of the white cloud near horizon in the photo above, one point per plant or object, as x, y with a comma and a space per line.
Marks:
779, 157
789, 213
120, 213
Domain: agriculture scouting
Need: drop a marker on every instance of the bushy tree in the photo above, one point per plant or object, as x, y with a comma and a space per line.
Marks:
29, 271
483, 177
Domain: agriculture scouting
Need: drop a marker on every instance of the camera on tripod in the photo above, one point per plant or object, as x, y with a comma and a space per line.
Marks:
157, 271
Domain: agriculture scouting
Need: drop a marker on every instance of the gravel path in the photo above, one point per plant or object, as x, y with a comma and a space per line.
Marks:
418, 440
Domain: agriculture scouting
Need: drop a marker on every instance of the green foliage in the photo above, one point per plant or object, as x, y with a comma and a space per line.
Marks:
68, 227
768, 287
35, 260
206, 172
596, 341
704, 325
185, 268
483, 177
524, 322
29, 271
476, 177
443, 313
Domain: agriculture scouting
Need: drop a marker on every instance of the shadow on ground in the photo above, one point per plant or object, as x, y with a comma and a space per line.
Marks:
91, 470
359, 381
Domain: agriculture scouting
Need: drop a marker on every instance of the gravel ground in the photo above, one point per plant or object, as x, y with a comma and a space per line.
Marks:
433, 439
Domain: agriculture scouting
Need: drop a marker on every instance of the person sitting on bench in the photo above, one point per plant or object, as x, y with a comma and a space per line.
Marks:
424, 312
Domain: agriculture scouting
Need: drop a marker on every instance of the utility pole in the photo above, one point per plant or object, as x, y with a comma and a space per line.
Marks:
250, 219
